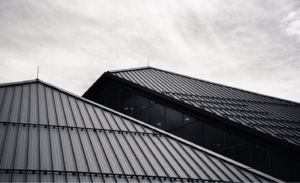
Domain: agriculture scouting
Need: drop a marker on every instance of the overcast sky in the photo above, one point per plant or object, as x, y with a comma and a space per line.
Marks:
253, 45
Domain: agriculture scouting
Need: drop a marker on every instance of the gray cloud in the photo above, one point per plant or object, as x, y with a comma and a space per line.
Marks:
253, 45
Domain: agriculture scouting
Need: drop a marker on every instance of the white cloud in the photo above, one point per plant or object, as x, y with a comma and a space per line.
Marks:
238, 43
291, 24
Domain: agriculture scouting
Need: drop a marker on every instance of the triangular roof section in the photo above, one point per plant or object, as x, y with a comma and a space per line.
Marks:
277, 117
48, 134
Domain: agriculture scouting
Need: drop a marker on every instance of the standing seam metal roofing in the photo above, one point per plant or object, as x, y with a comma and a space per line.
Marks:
47, 134
277, 117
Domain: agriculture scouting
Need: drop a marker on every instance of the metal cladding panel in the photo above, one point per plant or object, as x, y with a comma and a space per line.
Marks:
251, 176
110, 154
196, 168
19, 177
25, 106
109, 179
33, 162
80, 157
7, 158
120, 123
61, 118
67, 109
216, 170
50, 106
147, 130
203, 165
97, 179
2, 96
42, 106
102, 118
64, 138
34, 108
150, 156
45, 149
89, 152
138, 128
16, 104
181, 172
129, 125
141, 157
160, 156
237, 172
3, 131
111, 121
6, 105
46, 177
85, 115
123, 179
100, 153
56, 150
59, 178
227, 171
68, 152
128, 152
122, 157
5, 177
76, 113
237, 105
95, 120
72, 178
84, 178
21, 155
179, 158
33, 177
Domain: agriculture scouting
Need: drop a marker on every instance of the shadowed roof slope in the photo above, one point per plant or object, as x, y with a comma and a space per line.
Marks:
47, 134
277, 117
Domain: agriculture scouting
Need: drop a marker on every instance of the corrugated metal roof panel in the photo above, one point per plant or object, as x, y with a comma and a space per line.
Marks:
45, 151
20, 161
33, 161
68, 151
56, 150
67, 138
218, 99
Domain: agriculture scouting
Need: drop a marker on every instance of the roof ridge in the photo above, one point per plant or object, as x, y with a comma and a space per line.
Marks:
130, 69
20, 82
235, 88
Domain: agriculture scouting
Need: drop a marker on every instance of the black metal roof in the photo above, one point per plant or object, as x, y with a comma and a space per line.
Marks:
277, 117
48, 134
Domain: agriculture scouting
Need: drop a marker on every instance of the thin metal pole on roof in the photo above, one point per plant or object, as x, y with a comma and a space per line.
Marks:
37, 75
148, 62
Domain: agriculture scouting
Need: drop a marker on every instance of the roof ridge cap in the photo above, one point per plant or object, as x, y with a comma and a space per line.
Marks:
129, 69
19, 82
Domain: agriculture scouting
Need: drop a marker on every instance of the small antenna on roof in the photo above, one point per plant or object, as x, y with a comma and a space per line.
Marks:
37, 75
148, 62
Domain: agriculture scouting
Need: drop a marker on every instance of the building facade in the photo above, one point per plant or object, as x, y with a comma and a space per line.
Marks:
50, 135
258, 131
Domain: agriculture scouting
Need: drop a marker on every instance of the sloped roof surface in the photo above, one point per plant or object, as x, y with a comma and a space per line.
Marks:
47, 134
277, 117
